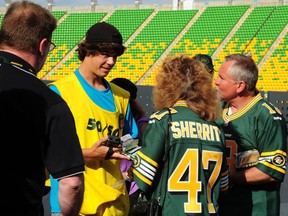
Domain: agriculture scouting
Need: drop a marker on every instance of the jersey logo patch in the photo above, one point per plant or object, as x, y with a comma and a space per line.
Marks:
136, 160
278, 160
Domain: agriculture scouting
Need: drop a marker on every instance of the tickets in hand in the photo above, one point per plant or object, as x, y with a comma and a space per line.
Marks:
128, 143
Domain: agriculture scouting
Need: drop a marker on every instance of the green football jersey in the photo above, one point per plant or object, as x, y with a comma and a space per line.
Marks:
195, 169
255, 136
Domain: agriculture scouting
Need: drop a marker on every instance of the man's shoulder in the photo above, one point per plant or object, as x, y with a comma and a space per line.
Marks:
119, 91
266, 109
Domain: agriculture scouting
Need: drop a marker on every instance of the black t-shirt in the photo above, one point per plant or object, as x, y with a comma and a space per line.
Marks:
37, 130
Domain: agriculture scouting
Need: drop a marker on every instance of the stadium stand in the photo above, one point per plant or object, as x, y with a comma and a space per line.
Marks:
275, 68
150, 43
136, 18
208, 31
151, 34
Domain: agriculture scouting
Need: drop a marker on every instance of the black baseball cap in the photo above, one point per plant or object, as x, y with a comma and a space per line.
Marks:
103, 32
207, 60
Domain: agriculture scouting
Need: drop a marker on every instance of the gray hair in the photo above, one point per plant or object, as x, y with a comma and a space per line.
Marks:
244, 69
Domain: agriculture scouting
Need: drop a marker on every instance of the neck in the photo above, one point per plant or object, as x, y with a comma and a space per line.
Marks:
91, 78
239, 102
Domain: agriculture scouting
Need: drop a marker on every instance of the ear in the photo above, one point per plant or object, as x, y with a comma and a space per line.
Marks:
43, 46
241, 86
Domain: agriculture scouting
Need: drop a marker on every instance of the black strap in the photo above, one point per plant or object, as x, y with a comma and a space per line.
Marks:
109, 153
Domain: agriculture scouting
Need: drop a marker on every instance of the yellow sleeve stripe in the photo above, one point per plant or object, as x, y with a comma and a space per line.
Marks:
279, 169
149, 160
274, 153
146, 180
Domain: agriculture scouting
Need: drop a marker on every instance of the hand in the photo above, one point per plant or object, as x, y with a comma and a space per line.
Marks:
99, 151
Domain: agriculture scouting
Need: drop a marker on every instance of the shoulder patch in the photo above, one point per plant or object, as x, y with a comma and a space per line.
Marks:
272, 109
160, 114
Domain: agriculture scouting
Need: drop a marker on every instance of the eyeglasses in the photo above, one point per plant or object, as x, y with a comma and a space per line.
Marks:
52, 46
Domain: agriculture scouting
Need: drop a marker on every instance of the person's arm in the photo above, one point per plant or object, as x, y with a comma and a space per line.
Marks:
272, 145
251, 176
70, 194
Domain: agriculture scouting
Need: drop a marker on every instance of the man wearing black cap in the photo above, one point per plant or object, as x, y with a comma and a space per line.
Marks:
99, 108
207, 60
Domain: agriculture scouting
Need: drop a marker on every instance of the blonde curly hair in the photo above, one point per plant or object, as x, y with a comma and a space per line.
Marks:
185, 78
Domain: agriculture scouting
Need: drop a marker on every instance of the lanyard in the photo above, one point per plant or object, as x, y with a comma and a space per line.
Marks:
17, 65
